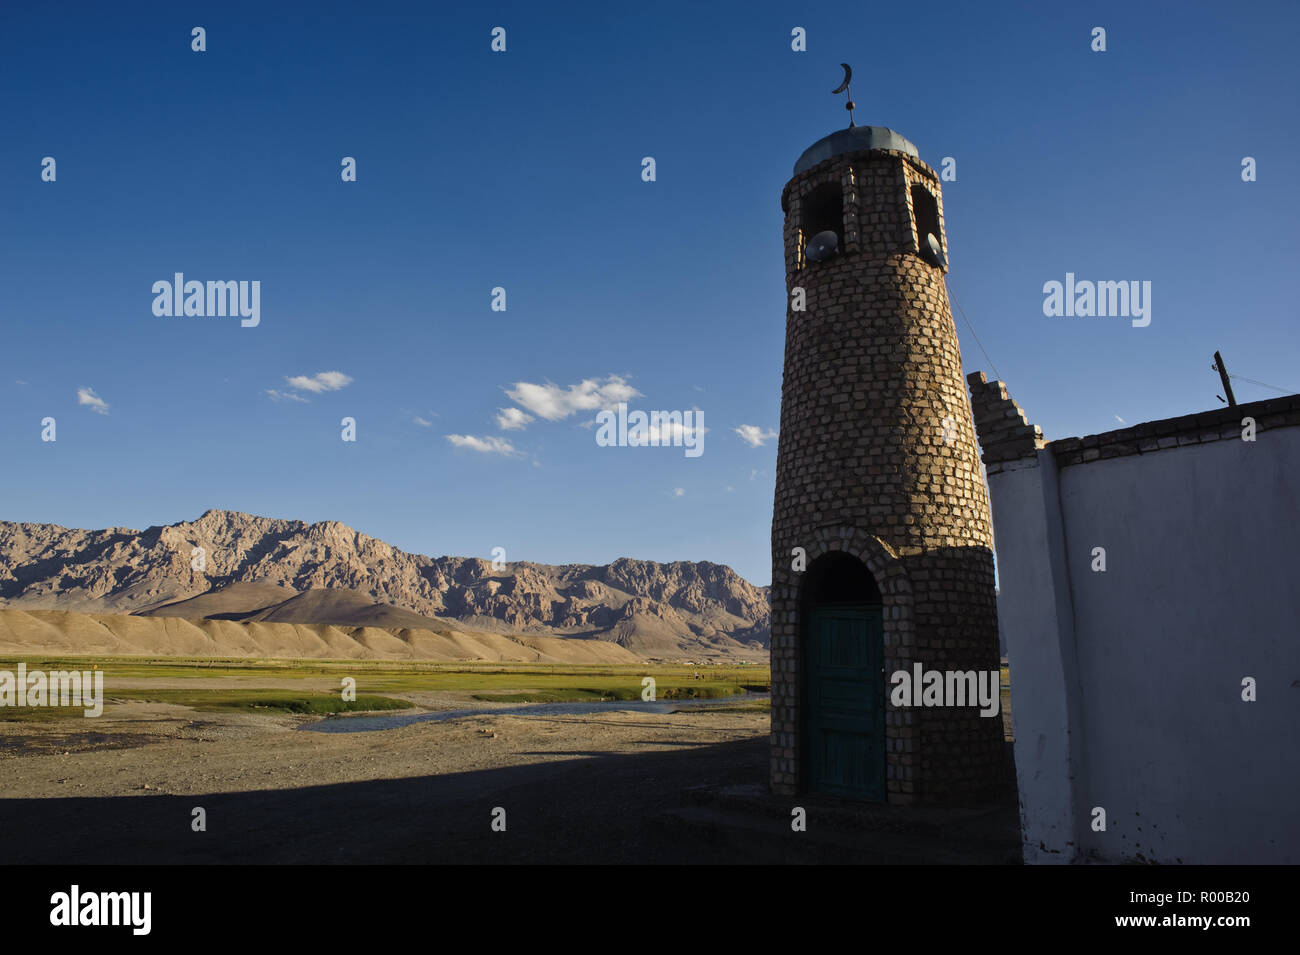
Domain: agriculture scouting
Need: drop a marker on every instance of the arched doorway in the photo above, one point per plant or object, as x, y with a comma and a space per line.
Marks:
843, 719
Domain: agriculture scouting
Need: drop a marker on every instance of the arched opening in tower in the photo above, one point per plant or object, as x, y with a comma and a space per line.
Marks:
823, 211
841, 625
838, 577
925, 210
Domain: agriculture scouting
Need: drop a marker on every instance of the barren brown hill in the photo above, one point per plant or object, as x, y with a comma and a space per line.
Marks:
258, 569
236, 601
56, 632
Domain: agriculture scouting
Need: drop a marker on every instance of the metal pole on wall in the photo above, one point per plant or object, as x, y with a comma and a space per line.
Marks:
1223, 374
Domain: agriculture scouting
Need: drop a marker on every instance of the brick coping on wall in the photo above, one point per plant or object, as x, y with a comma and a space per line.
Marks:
1006, 436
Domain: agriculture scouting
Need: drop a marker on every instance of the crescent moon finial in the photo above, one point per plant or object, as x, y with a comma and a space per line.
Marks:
848, 78
844, 88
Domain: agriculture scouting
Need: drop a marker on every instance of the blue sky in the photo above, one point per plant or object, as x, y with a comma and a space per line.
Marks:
522, 170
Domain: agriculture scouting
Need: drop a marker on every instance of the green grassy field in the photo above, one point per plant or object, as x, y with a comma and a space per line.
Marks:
131, 678
490, 682
252, 700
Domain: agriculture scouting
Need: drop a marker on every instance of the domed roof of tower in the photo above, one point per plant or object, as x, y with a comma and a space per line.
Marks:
852, 140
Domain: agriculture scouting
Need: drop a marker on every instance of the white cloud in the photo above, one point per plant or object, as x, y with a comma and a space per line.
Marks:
321, 381
554, 403
485, 445
512, 419
317, 383
753, 435
422, 422
675, 434
87, 396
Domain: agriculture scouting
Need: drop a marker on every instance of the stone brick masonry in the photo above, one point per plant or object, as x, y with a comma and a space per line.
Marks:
1004, 432
877, 457
1007, 437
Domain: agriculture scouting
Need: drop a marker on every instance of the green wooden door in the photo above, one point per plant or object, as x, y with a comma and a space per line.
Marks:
845, 717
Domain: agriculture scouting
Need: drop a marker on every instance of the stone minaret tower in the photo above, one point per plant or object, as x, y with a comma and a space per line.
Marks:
881, 539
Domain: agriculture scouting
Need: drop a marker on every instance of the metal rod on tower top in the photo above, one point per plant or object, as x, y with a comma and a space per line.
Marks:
844, 88
1223, 375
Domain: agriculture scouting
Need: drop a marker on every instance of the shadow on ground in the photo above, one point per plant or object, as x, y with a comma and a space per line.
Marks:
607, 808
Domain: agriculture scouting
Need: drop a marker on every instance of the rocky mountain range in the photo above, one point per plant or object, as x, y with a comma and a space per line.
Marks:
233, 566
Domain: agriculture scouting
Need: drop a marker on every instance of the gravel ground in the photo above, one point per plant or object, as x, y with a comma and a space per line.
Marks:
574, 788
